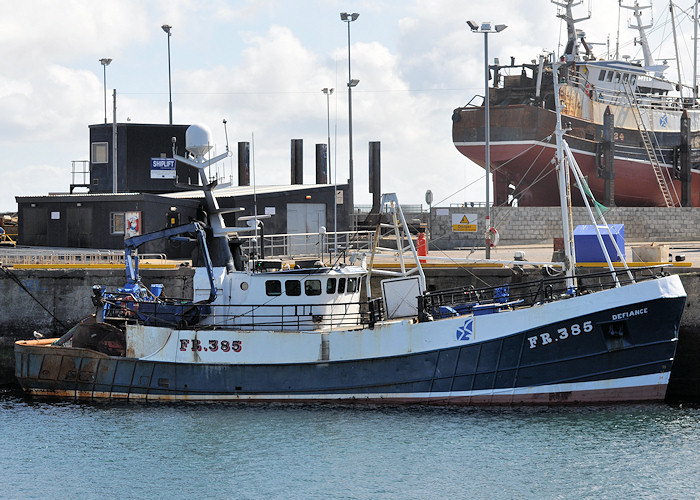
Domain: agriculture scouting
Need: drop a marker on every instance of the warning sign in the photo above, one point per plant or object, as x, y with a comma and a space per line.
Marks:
464, 223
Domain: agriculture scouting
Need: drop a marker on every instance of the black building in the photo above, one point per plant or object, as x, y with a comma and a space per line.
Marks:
149, 198
137, 146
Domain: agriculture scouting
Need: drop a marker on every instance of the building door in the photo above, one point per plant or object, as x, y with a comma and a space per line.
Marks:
79, 227
305, 218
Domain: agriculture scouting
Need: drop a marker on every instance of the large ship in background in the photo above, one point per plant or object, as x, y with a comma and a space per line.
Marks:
650, 157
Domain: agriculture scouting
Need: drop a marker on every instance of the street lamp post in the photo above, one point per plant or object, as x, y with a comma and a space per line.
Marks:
486, 28
329, 92
348, 18
105, 62
167, 29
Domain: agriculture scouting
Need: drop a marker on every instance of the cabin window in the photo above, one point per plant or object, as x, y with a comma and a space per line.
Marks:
610, 75
330, 285
116, 223
633, 79
352, 285
100, 152
341, 285
312, 287
273, 288
617, 77
292, 287
601, 77
625, 77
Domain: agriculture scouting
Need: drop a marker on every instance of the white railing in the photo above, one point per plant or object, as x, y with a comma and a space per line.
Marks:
279, 246
618, 97
53, 257
310, 244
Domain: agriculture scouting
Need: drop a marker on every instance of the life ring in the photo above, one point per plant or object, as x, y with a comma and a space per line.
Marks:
492, 237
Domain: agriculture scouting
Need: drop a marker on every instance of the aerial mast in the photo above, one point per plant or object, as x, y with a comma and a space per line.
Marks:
565, 13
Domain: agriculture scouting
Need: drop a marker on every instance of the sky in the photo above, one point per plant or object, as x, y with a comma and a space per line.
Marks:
260, 65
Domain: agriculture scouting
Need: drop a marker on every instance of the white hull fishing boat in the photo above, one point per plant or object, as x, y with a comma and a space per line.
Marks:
257, 331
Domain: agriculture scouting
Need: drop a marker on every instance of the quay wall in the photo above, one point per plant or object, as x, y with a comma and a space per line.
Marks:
66, 293
542, 224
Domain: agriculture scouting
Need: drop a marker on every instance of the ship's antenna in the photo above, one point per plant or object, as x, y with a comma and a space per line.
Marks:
226, 134
255, 195
230, 160
617, 42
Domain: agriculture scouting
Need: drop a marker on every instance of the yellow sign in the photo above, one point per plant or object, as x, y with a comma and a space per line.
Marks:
464, 223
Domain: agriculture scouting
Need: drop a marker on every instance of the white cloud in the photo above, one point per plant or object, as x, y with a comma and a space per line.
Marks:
261, 65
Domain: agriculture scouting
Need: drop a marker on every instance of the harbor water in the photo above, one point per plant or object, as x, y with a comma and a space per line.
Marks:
142, 450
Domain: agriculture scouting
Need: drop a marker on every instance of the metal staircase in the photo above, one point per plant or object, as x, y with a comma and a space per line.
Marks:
648, 146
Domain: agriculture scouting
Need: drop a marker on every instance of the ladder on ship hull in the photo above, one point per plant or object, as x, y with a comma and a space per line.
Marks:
648, 146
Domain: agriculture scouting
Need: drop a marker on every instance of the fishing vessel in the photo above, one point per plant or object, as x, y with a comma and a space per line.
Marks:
264, 330
647, 158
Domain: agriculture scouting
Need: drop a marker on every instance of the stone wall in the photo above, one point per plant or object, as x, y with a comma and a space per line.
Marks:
66, 294
542, 224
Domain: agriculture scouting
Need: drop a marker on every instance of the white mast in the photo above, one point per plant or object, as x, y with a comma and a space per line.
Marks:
564, 193
641, 28
695, 54
675, 46
565, 12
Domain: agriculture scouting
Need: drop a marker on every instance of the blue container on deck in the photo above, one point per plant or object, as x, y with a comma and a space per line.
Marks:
588, 247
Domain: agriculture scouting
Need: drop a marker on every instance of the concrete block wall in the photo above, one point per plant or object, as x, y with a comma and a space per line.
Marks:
542, 224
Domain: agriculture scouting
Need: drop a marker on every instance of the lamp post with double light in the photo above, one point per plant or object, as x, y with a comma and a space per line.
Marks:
167, 28
486, 28
105, 62
348, 18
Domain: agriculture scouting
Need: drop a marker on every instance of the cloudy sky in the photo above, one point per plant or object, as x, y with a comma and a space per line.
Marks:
261, 65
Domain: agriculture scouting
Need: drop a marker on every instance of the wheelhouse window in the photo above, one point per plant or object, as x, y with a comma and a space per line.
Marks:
617, 77
633, 79
601, 76
610, 76
330, 285
312, 287
100, 152
352, 285
273, 288
625, 77
341, 285
292, 287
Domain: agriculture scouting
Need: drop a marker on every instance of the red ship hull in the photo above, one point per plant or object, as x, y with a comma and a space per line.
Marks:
521, 157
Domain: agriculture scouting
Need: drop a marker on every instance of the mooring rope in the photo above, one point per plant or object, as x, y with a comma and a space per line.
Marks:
14, 278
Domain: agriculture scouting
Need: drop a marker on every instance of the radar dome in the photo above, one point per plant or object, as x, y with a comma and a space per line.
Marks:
198, 139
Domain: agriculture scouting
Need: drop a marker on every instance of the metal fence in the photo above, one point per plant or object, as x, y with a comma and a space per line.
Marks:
54, 257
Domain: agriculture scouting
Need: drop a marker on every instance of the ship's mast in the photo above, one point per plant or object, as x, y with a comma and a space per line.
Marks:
695, 54
675, 46
637, 13
565, 12
564, 191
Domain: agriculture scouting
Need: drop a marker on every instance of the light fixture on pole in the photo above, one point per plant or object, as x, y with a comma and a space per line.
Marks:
348, 18
167, 28
105, 62
328, 93
486, 28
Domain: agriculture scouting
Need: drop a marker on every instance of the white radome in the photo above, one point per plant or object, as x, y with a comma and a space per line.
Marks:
198, 139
